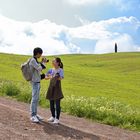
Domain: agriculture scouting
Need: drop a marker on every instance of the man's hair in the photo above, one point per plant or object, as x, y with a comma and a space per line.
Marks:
37, 50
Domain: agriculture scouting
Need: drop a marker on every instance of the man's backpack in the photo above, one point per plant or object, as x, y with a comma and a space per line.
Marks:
26, 71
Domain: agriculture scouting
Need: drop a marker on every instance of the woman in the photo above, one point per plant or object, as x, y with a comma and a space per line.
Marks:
54, 93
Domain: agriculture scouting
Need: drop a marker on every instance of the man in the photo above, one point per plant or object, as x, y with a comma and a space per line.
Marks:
36, 68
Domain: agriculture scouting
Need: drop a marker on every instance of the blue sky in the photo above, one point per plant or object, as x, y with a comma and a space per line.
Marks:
69, 26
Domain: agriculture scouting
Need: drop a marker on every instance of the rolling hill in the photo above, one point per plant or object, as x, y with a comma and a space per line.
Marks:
115, 77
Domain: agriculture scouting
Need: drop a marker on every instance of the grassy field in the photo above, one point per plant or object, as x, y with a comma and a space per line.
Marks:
104, 88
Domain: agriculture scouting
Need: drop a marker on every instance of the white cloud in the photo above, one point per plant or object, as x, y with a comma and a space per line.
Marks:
106, 28
22, 37
125, 44
82, 21
107, 32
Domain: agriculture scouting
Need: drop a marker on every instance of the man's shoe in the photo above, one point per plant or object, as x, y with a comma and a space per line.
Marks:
34, 119
39, 118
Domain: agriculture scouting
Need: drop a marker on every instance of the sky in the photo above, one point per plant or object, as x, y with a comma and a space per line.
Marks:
69, 26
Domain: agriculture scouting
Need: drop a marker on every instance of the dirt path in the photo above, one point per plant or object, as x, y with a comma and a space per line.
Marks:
15, 125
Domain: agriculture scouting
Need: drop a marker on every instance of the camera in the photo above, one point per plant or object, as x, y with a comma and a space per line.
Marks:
57, 75
45, 60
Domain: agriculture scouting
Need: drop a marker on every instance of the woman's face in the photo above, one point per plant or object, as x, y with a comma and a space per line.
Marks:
54, 63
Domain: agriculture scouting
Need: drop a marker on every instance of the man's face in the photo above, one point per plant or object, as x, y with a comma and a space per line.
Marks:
38, 55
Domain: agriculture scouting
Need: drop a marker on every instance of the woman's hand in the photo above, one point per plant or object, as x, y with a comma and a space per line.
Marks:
47, 77
59, 78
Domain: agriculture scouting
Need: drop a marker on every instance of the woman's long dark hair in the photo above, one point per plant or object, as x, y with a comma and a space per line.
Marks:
58, 60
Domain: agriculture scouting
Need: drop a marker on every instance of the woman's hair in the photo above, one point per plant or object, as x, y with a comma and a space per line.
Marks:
58, 60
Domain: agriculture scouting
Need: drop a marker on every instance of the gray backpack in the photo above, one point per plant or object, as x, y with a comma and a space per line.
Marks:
26, 71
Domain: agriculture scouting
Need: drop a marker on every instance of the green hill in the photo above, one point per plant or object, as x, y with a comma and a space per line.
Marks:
106, 77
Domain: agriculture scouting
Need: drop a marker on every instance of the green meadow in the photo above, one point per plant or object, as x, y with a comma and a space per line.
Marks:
104, 88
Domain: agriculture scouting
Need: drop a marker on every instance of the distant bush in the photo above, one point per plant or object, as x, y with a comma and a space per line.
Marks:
9, 89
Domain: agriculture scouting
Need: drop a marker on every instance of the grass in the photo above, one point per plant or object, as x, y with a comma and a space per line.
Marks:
104, 110
103, 88
10, 89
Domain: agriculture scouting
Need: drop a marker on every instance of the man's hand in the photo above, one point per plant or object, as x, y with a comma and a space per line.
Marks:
44, 60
